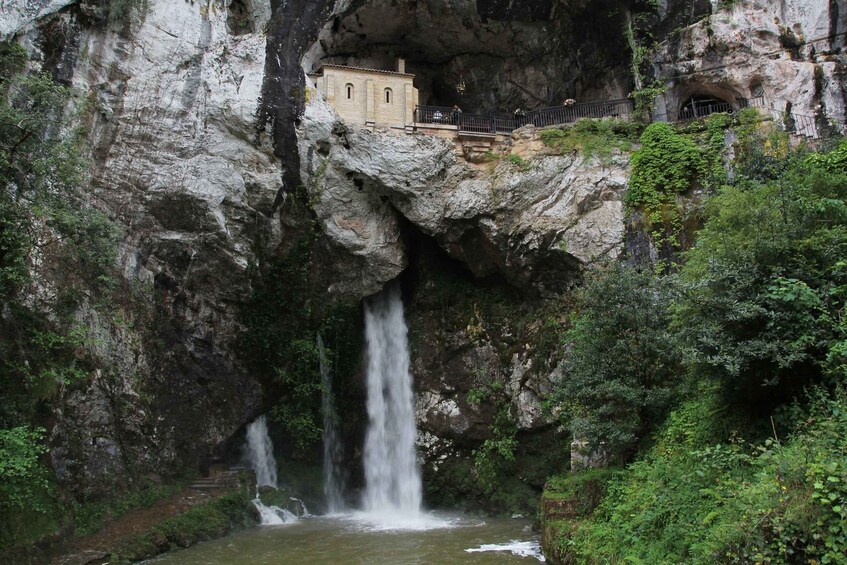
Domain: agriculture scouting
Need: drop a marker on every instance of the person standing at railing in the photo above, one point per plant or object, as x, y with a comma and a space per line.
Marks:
455, 114
520, 117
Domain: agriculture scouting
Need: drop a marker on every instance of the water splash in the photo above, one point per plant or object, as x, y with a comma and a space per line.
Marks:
393, 482
333, 453
260, 455
515, 547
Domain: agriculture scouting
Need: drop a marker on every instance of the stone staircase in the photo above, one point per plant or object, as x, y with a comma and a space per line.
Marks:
219, 479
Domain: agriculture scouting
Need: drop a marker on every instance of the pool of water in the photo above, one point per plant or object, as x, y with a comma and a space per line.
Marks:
357, 538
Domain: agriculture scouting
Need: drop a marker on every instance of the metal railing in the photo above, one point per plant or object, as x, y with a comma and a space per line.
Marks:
567, 114
697, 111
439, 115
795, 124
493, 124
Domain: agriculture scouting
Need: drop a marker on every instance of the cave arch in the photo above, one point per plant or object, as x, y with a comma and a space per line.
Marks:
702, 105
239, 19
485, 56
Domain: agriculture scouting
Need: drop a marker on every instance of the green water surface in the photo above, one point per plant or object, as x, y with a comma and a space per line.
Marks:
339, 540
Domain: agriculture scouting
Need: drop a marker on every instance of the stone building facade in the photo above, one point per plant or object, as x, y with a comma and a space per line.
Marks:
373, 97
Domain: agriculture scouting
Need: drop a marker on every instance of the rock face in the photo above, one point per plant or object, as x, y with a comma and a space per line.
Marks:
14, 16
534, 219
179, 169
528, 222
790, 52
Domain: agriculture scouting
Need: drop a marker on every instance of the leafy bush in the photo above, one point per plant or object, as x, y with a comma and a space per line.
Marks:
703, 502
623, 366
494, 457
765, 284
593, 138
666, 164
48, 236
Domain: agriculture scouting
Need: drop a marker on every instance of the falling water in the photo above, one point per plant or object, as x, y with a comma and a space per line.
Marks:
333, 483
393, 483
260, 454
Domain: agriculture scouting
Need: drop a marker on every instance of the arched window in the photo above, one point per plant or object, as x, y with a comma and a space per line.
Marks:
349, 89
388, 96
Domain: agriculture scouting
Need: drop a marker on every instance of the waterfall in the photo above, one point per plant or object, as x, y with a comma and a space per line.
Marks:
332, 444
260, 455
260, 452
393, 482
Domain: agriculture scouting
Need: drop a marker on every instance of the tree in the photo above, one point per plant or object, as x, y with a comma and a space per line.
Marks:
623, 364
764, 288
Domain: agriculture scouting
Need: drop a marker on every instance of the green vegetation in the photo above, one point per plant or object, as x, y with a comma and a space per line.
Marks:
623, 362
494, 457
519, 162
206, 521
667, 164
593, 138
695, 499
751, 333
92, 516
56, 252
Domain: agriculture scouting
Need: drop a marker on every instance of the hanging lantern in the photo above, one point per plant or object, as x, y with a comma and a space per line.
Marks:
461, 86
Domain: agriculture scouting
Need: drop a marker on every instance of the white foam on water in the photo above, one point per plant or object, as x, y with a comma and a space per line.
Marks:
515, 547
399, 522
273, 515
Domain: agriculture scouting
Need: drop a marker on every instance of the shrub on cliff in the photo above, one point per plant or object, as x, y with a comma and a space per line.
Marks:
765, 287
623, 365
55, 251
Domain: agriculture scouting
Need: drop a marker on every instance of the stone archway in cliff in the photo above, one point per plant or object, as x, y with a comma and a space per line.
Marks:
702, 105
699, 98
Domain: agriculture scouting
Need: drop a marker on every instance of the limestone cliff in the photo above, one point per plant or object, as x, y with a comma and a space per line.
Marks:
202, 133
788, 53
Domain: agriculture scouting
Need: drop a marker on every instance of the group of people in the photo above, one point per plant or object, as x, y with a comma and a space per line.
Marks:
456, 113
520, 113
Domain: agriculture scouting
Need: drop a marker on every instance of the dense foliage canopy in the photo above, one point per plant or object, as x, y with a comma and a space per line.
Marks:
746, 344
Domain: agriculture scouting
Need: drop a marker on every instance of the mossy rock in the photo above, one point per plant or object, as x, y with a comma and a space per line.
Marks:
207, 521
275, 497
566, 500
574, 495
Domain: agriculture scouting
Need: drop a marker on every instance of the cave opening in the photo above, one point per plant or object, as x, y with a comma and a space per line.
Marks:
487, 57
239, 19
703, 105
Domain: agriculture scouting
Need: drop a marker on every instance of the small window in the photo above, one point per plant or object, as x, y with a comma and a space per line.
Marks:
388, 96
349, 92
